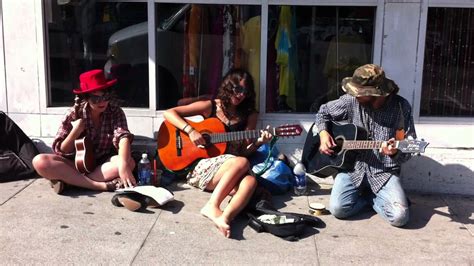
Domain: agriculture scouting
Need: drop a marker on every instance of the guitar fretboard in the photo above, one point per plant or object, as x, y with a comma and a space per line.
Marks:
233, 136
361, 144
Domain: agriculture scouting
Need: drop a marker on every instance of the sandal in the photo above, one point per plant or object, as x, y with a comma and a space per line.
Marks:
114, 184
57, 186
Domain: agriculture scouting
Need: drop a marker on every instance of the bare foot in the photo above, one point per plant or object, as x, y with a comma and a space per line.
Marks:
210, 211
222, 225
215, 215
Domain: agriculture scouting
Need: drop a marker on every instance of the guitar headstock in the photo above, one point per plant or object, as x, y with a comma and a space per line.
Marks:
412, 146
288, 130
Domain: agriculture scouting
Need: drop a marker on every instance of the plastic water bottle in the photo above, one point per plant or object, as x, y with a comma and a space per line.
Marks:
300, 179
144, 170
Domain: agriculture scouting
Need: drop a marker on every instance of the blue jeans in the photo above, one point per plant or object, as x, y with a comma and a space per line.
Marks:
389, 202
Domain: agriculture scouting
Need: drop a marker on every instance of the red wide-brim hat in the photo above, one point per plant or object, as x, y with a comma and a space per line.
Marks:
93, 80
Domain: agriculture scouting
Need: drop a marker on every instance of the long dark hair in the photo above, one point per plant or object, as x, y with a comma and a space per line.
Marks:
231, 79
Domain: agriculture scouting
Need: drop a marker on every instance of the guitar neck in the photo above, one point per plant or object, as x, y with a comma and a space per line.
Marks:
234, 136
363, 144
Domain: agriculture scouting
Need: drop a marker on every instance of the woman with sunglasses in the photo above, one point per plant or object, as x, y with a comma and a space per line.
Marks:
227, 174
105, 124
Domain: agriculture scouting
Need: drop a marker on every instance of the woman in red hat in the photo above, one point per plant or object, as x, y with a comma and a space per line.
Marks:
94, 116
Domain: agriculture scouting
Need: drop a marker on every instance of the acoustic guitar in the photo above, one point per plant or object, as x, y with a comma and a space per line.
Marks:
84, 159
176, 151
349, 138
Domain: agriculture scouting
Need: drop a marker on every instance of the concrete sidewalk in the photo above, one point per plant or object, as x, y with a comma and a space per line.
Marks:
83, 227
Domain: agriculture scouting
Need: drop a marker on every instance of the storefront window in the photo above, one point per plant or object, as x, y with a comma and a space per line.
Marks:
196, 45
448, 72
310, 50
78, 37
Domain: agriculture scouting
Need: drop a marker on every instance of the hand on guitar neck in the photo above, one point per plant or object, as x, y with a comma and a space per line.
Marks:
84, 159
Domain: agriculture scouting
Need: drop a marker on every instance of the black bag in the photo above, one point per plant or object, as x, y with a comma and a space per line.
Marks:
310, 150
290, 231
17, 151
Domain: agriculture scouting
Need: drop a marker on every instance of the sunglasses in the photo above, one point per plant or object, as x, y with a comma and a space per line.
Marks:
98, 99
237, 89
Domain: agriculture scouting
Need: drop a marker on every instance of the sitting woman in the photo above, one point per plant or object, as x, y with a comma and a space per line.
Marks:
105, 124
227, 174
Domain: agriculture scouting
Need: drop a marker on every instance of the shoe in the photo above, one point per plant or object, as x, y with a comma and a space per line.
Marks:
141, 197
132, 202
57, 186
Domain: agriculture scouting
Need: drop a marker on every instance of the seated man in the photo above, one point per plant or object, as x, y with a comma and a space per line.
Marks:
370, 102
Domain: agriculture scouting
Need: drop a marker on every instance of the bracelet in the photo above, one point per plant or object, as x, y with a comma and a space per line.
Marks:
184, 128
192, 129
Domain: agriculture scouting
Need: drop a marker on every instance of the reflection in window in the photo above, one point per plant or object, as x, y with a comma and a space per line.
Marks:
78, 36
448, 72
310, 50
196, 45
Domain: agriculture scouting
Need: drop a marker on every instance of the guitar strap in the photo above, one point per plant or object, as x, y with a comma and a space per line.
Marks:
364, 116
400, 132
267, 160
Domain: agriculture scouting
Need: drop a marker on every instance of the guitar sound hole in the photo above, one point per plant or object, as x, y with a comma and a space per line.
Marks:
207, 138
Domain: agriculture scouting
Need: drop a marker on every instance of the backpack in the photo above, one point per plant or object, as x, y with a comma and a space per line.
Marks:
271, 173
287, 225
16, 152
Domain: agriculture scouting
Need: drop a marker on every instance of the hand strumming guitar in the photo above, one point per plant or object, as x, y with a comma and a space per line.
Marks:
196, 138
327, 142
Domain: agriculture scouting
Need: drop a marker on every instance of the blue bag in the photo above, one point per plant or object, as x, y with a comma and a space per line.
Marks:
273, 174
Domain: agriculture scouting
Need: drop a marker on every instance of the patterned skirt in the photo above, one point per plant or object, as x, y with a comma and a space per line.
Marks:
205, 170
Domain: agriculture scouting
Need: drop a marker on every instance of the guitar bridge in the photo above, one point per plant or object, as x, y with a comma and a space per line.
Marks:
179, 143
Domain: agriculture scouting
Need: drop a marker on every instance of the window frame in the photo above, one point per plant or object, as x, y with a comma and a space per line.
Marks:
425, 5
264, 4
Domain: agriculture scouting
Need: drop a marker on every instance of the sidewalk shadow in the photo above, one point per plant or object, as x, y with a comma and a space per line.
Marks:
77, 192
423, 207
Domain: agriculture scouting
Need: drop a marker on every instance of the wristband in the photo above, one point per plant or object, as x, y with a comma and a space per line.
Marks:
191, 130
184, 128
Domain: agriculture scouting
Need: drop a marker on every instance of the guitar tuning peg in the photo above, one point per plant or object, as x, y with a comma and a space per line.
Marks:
417, 154
422, 139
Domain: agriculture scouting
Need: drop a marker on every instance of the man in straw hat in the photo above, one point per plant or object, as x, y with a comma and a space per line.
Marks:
97, 117
370, 102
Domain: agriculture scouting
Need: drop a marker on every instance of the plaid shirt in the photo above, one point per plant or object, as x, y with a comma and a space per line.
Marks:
381, 124
105, 139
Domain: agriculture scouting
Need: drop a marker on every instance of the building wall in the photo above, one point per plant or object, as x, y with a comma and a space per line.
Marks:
447, 166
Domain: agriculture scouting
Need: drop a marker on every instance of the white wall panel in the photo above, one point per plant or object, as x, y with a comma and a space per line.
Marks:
141, 126
50, 125
29, 123
3, 88
399, 45
20, 44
